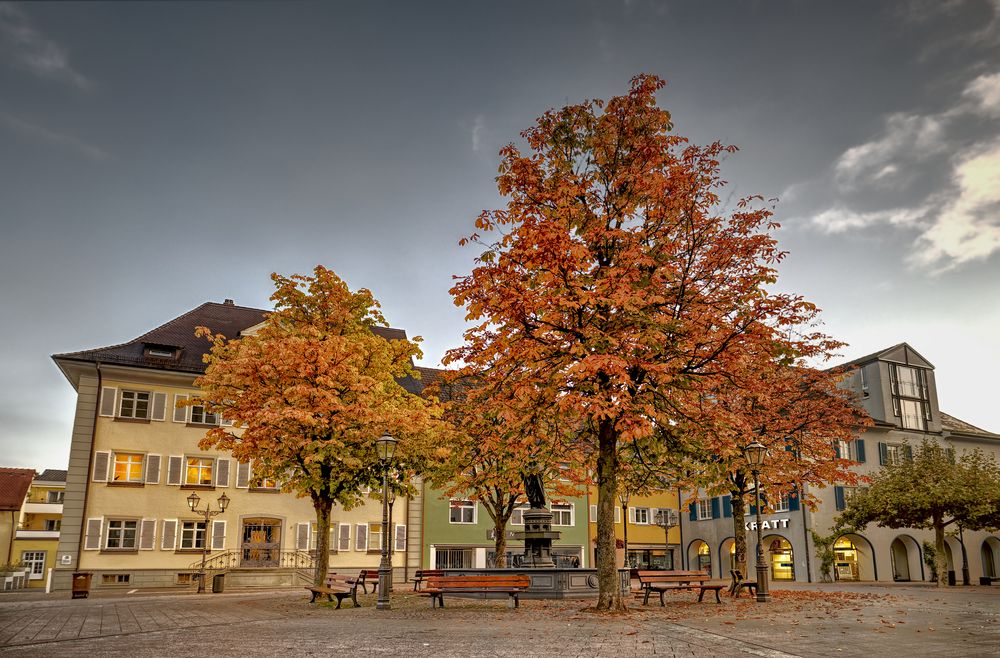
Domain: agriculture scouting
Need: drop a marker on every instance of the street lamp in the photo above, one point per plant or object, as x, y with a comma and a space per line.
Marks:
392, 501
755, 453
623, 499
386, 450
208, 513
666, 519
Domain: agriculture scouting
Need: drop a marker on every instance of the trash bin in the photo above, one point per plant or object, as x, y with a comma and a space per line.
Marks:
81, 585
951, 578
218, 583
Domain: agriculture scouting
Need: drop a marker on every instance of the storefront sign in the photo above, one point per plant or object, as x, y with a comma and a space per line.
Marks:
772, 524
491, 534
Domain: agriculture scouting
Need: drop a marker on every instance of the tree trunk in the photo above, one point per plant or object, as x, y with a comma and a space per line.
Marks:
608, 588
739, 534
322, 507
940, 559
500, 541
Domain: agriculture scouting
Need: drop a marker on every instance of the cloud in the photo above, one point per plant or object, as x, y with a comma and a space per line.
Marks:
32, 51
54, 138
840, 219
909, 137
478, 126
967, 227
984, 92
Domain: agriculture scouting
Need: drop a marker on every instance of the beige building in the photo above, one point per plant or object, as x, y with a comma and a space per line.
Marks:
135, 460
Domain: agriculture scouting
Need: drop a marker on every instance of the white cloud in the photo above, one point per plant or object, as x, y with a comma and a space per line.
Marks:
984, 92
910, 137
477, 132
840, 219
967, 228
32, 51
54, 138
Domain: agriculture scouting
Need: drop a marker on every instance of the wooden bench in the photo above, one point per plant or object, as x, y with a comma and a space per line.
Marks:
661, 581
424, 574
438, 586
738, 584
368, 577
336, 585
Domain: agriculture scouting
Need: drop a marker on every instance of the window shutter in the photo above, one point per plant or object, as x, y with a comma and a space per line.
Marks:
727, 506
593, 513
793, 501
168, 541
908, 452
147, 534
95, 527
152, 469
108, 394
882, 454
159, 406
715, 507
859, 447
242, 475
345, 537
218, 535
101, 461
361, 537
400, 538
692, 512
302, 537
222, 472
631, 515
838, 496
175, 468
180, 413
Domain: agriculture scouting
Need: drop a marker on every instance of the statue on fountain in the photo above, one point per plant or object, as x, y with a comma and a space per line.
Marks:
534, 489
538, 534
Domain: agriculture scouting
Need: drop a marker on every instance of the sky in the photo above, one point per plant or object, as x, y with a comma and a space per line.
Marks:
156, 156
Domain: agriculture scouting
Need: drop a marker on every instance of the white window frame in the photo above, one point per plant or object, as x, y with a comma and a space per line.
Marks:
201, 468
782, 504
463, 505
704, 509
190, 532
374, 531
58, 495
129, 462
558, 510
517, 516
119, 527
893, 453
35, 561
134, 399
844, 447
201, 417
641, 515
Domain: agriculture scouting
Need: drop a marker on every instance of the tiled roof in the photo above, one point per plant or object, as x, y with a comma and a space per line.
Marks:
871, 357
953, 424
52, 475
226, 318
14, 483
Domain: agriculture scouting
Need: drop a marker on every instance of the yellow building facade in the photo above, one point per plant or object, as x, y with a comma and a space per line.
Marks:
37, 537
648, 545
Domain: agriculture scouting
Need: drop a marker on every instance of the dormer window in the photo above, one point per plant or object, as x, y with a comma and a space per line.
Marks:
910, 401
161, 353
864, 383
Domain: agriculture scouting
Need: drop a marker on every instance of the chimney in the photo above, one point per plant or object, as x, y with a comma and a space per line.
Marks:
229, 302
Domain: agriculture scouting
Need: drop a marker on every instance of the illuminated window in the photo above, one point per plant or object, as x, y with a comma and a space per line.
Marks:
199, 471
128, 467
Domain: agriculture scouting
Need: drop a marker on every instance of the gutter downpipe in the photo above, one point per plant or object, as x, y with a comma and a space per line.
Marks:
90, 468
680, 531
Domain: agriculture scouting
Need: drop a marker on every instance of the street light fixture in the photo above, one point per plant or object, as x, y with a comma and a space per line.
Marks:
208, 513
386, 445
666, 519
623, 499
755, 453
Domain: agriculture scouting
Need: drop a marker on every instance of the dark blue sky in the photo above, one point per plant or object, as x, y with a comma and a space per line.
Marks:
154, 156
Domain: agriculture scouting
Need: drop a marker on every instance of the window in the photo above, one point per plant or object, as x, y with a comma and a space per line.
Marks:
462, 511
134, 404
199, 471
375, 537
704, 509
562, 514
185, 578
517, 517
115, 578
160, 353
55, 496
910, 400
843, 449
193, 534
782, 504
53, 525
122, 534
864, 383
453, 558
893, 453
128, 467
641, 516
201, 417
34, 560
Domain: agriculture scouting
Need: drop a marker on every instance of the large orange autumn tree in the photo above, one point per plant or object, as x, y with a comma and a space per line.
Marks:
311, 390
618, 288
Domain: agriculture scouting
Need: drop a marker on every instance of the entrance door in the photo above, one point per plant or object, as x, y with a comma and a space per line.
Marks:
846, 564
782, 563
261, 545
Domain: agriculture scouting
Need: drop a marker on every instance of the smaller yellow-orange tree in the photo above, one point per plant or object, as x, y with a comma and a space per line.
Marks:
310, 391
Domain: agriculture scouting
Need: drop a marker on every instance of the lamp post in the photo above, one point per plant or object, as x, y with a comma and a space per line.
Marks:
390, 541
386, 450
208, 513
623, 499
965, 556
666, 519
755, 458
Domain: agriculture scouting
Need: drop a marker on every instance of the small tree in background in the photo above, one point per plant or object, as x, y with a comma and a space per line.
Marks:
311, 390
933, 490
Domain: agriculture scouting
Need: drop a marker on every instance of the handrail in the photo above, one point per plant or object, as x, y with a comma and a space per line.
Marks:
257, 559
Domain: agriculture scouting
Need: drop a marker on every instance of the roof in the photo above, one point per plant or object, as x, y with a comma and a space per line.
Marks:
952, 424
51, 475
14, 483
226, 318
884, 352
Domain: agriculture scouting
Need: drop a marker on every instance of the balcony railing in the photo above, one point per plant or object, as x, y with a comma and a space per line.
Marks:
43, 508
37, 534
255, 558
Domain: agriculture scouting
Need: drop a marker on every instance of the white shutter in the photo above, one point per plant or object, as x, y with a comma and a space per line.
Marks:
102, 461
361, 537
242, 475
175, 469
400, 538
302, 537
218, 535
95, 529
180, 413
169, 535
159, 406
631, 515
147, 534
593, 513
344, 543
152, 469
222, 472
108, 399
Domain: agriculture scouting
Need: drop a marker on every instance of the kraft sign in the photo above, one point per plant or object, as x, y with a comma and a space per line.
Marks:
773, 524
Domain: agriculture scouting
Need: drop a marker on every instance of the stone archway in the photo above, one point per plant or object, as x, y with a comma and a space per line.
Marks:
780, 557
727, 556
700, 556
906, 559
854, 559
989, 553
